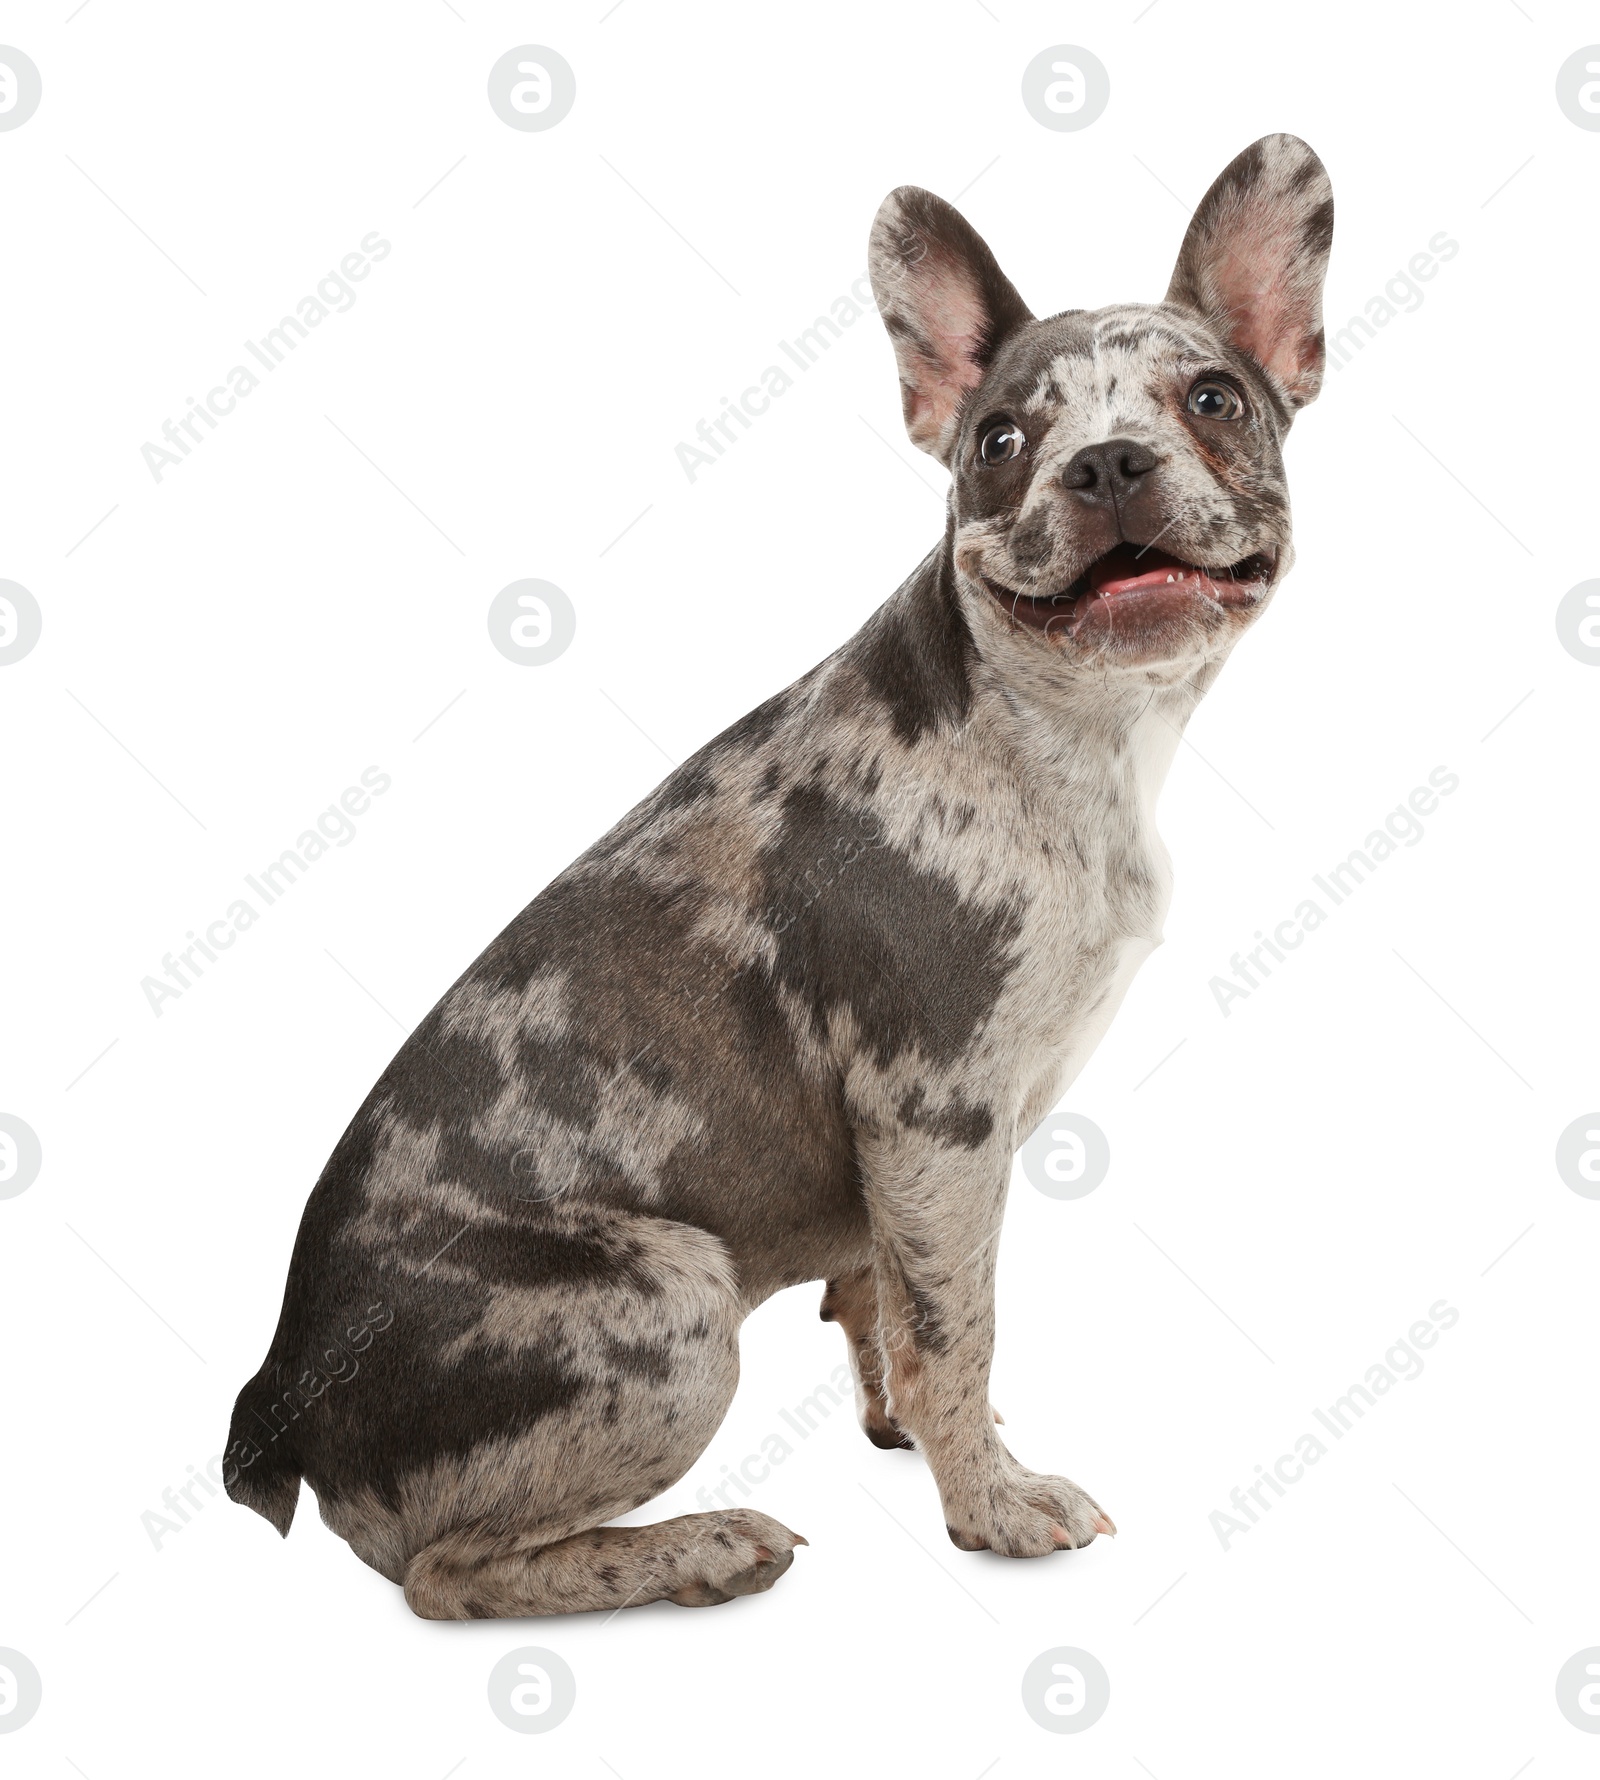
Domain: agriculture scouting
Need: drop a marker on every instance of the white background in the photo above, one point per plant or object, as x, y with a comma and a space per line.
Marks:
1366, 1134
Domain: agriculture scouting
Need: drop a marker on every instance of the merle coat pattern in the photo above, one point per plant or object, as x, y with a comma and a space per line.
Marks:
790, 1019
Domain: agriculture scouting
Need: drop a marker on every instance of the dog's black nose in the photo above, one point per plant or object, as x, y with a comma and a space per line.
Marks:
1110, 470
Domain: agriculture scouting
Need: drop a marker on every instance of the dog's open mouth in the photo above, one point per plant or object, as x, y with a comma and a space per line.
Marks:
1134, 587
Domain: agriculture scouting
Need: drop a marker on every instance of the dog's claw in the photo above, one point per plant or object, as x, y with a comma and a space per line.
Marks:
1105, 1524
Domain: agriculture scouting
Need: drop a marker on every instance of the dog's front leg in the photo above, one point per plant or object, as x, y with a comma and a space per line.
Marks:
936, 1210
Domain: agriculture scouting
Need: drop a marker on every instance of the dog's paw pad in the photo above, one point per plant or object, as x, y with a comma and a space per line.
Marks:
759, 1577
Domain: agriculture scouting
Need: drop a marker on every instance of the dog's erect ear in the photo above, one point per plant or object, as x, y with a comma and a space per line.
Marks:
946, 304
1253, 261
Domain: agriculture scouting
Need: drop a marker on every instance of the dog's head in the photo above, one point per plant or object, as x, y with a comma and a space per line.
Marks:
1118, 490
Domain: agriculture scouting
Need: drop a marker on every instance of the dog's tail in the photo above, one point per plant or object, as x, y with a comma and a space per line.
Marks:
260, 1468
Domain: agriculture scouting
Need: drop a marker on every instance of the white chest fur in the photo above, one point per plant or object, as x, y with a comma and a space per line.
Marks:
1154, 742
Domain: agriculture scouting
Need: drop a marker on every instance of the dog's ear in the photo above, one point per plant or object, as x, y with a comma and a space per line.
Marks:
1254, 258
946, 304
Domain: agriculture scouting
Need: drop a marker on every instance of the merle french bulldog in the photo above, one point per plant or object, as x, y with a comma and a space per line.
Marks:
791, 1018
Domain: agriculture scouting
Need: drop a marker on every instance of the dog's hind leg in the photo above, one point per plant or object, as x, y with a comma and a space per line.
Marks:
544, 1377
697, 1560
851, 1301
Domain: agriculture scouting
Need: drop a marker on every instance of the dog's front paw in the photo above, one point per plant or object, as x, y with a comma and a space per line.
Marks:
1022, 1514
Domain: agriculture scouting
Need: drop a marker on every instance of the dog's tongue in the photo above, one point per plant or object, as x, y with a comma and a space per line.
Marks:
1133, 565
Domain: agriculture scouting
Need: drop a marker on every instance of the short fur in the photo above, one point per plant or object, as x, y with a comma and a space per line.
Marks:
790, 1019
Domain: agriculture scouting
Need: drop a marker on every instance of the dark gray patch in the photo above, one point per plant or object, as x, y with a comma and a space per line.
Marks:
560, 1079
438, 1076
927, 1327
1141, 338
894, 945
401, 1408
656, 1075
1027, 359
1032, 541
1316, 237
649, 1360
865, 776
916, 653
958, 1122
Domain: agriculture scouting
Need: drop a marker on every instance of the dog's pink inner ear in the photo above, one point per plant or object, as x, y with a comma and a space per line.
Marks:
1254, 258
946, 305
1271, 313
952, 321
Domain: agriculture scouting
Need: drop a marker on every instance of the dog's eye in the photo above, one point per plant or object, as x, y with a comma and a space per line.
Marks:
1212, 400
1000, 443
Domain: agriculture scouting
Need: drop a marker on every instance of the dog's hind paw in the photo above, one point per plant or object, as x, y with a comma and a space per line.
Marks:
741, 1553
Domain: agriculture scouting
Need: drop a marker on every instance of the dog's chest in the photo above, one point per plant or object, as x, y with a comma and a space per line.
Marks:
1098, 917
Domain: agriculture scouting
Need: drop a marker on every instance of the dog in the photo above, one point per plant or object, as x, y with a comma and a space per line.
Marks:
792, 1017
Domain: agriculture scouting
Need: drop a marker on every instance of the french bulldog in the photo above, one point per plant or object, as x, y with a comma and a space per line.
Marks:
791, 1018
